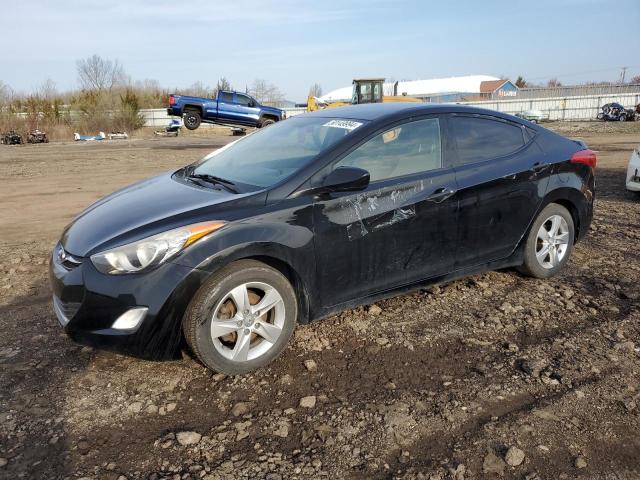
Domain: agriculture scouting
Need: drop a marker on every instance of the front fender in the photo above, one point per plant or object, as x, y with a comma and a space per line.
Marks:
281, 244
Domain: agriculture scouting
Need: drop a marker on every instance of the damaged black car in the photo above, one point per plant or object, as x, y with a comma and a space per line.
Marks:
320, 213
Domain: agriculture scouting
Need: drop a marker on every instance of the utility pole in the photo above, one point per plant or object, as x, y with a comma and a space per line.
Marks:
623, 73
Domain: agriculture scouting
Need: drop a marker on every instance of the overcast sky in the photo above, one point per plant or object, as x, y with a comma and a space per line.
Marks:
294, 43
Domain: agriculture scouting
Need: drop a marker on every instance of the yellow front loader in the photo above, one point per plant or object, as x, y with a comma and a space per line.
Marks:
365, 90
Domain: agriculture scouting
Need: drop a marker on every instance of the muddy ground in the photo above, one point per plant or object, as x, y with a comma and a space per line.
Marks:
496, 375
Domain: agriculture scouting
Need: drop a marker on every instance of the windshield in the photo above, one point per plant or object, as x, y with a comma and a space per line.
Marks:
272, 154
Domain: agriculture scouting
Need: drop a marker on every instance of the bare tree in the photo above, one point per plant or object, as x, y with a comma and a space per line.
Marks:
265, 92
521, 82
315, 90
147, 84
224, 84
199, 89
97, 73
5, 93
554, 82
635, 80
48, 90
259, 89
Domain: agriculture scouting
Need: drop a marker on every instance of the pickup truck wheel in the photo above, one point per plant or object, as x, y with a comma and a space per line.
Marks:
265, 122
192, 119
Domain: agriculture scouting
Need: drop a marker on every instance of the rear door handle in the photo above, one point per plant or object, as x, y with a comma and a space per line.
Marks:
441, 194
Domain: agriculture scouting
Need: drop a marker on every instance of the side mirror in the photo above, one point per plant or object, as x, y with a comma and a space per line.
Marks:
346, 179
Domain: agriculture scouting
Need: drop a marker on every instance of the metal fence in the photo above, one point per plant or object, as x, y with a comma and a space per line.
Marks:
584, 107
577, 91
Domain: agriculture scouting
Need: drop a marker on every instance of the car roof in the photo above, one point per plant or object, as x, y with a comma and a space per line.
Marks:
380, 111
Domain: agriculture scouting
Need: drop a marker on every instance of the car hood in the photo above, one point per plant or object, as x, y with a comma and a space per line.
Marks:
157, 200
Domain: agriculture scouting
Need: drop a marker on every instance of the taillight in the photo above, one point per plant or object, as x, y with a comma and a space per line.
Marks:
172, 100
587, 157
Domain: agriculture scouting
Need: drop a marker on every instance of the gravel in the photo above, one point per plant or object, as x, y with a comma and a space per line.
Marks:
514, 456
188, 438
455, 381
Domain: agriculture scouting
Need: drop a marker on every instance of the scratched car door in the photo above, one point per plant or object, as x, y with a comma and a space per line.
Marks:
402, 228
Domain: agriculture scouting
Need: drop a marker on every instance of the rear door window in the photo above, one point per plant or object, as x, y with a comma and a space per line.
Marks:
482, 138
226, 97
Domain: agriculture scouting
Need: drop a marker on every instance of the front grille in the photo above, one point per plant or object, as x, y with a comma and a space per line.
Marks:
65, 311
64, 258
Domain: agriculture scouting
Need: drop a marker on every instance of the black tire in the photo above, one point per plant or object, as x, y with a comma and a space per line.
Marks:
532, 266
622, 118
198, 318
192, 119
265, 122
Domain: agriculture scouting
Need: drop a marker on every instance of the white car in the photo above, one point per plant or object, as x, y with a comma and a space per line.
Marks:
633, 172
534, 116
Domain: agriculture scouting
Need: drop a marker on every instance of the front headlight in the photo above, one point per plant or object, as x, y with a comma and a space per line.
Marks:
152, 251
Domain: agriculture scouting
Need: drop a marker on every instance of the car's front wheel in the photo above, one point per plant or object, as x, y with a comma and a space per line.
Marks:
549, 243
241, 318
265, 122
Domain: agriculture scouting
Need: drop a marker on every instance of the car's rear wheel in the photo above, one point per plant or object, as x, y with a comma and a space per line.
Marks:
192, 119
549, 243
241, 318
622, 118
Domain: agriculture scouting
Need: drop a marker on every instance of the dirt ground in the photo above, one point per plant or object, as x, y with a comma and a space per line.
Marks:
493, 376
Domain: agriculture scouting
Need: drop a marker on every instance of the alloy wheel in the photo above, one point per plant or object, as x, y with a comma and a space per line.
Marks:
552, 241
248, 321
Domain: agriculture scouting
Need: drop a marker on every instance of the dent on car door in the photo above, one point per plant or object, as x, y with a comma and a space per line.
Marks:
502, 177
400, 229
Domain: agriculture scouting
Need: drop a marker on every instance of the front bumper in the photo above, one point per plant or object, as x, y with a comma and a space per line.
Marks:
145, 309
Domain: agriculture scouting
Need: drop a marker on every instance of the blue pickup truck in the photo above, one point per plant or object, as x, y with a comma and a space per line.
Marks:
229, 108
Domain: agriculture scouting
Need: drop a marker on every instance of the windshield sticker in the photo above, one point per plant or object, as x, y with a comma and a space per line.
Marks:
346, 124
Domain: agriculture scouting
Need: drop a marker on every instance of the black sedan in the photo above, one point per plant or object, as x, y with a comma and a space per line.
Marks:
314, 215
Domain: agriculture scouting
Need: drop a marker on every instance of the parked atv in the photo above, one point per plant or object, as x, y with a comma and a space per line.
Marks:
615, 112
11, 138
37, 136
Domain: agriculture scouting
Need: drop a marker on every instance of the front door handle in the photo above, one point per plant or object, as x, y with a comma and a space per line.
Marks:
441, 194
